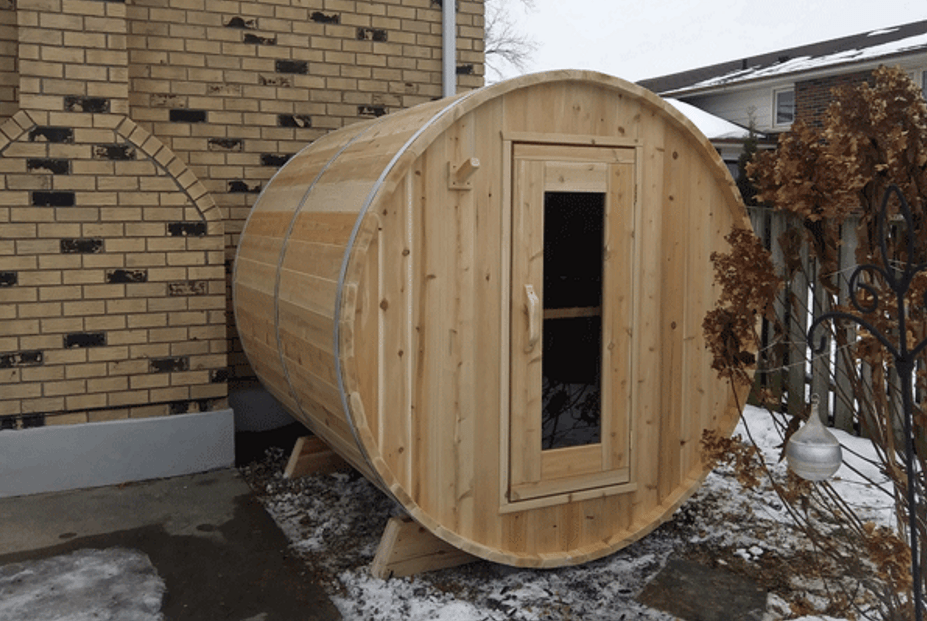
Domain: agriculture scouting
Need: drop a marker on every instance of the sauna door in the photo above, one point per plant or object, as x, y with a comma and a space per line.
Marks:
571, 304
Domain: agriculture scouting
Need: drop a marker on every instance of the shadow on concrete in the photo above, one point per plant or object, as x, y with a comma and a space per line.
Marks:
239, 569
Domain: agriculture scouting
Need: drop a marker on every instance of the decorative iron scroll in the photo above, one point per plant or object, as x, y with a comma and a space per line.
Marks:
898, 276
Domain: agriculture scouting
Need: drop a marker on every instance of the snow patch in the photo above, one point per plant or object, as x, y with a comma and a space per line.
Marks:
88, 585
714, 128
335, 522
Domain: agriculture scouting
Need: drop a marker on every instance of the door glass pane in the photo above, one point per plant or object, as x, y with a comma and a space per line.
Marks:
572, 329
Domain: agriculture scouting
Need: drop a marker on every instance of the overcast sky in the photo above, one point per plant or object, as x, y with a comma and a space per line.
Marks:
638, 39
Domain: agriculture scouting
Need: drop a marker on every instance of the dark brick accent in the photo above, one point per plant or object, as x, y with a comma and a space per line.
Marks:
219, 376
82, 245
51, 134
119, 152
225, 144
371, 110
464, 69
274, 159
321, 18
240, 187
187, 287
21, 359
53, 199
186, 229
7, 422
241, 22
184, 115
167, 100
257, 40
97, 105
169, 365
276, 80
294, 120
121, 276
371, 34
54, 166
84, 339
179, 407
8, 279
33, 420
291, 66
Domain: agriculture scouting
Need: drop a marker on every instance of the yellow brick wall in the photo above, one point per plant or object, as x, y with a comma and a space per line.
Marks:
137, 137
9, 76
260, 80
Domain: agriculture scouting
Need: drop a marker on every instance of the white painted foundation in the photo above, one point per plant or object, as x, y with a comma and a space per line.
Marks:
64, 457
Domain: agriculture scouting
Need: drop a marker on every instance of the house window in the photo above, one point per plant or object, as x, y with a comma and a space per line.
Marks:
924, 83
784, 107
733, 167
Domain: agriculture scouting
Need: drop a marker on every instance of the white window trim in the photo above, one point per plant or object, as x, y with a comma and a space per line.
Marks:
775, 106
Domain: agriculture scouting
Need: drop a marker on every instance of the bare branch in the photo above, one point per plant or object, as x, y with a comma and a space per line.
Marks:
505, 45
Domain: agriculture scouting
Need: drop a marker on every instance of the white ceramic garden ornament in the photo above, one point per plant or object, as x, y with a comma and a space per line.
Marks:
813, 452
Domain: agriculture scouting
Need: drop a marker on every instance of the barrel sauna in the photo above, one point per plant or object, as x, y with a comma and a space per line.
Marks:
491, 306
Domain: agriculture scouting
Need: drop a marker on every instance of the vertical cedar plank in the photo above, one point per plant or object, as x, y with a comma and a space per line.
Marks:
649, 384
678, 195
368, 335
490, 346
619, 283
465, 334
395, 317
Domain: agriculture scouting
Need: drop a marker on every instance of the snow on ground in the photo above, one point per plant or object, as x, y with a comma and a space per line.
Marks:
335, 521
88, 585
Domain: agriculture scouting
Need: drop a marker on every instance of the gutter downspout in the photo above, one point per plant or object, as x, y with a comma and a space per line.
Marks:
448, 48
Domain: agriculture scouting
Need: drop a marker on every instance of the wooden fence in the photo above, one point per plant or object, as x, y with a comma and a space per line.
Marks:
786, 364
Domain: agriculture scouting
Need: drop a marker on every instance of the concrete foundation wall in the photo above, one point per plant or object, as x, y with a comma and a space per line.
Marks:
51, 459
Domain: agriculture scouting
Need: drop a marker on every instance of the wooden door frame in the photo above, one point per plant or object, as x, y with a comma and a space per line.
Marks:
590, 485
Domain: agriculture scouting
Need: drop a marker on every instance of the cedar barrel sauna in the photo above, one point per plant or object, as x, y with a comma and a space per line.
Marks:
491, 305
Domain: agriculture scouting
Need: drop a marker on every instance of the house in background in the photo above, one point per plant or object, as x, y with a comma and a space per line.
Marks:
135, 135
770, 91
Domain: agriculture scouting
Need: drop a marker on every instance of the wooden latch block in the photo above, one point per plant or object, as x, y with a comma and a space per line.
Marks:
458, 178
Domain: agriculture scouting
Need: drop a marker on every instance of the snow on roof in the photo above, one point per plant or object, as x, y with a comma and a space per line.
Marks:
876, 33
714, 128
807, 63
843, 53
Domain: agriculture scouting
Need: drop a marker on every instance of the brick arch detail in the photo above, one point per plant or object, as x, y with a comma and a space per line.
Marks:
168, 161
13, 129
93, 330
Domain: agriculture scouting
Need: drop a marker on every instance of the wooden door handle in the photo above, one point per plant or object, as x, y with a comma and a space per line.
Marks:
534, 318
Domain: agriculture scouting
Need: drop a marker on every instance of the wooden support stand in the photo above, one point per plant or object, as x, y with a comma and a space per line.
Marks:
311, 455
407, 548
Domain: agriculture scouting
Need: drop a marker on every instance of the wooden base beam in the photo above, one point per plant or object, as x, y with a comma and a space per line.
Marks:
407, 548
311, 455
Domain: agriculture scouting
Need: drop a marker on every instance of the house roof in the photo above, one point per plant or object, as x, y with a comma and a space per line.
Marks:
875, 45
714, 127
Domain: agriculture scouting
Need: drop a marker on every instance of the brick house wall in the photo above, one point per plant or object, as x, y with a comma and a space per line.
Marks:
135, 136
812, 97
